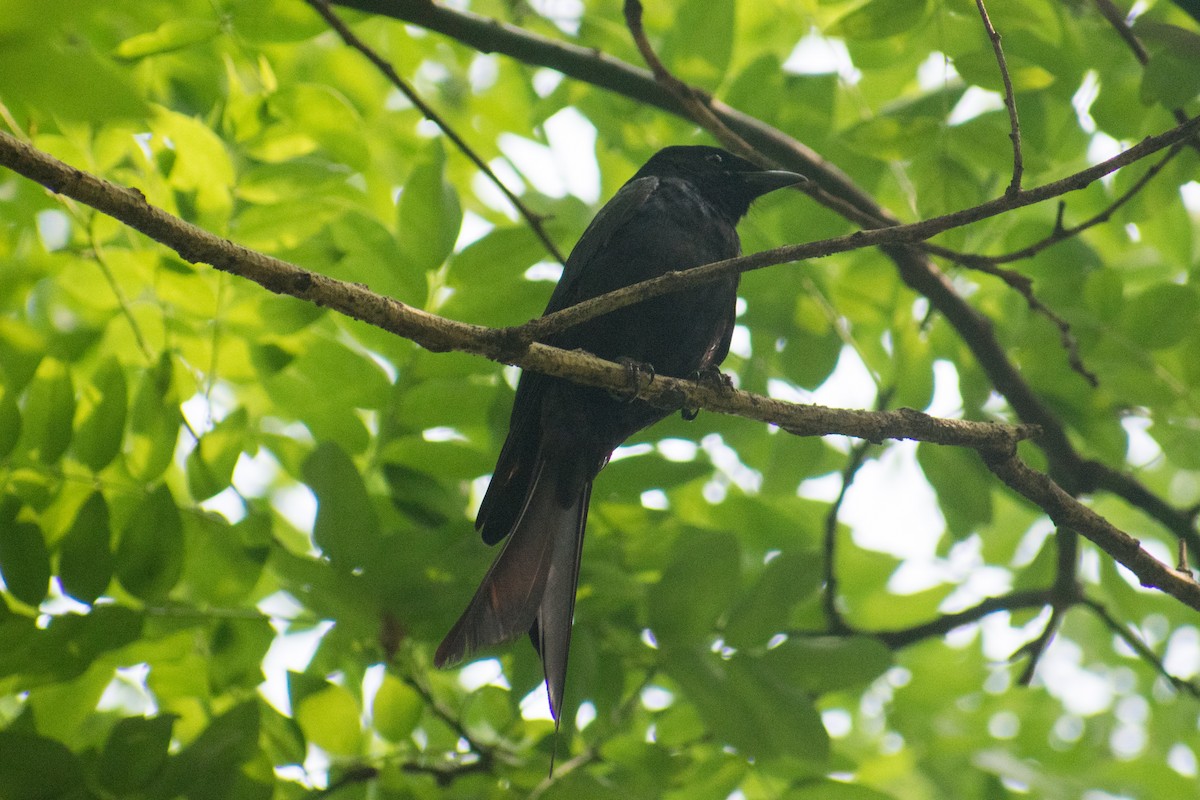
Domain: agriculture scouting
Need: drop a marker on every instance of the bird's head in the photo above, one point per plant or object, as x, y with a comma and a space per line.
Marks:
727, 181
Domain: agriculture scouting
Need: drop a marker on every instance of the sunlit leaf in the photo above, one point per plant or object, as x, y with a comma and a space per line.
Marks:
396, 710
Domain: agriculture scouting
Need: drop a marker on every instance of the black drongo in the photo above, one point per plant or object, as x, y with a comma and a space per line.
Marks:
678, 211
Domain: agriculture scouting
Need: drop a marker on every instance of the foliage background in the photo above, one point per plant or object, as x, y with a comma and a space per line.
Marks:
196, 475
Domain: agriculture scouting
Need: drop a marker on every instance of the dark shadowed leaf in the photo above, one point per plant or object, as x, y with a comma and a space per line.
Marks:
24, 562
101, 416
346, 528
134, 753
85, 557
149, 558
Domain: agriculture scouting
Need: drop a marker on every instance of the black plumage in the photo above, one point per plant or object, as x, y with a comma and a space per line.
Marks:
679, 211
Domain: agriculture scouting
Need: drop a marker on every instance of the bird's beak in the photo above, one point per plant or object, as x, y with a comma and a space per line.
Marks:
771, 179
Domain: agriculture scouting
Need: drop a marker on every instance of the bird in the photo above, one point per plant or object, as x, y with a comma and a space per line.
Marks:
679, 210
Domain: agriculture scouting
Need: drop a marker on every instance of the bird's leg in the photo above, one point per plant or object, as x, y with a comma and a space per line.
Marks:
636, 370
712, 377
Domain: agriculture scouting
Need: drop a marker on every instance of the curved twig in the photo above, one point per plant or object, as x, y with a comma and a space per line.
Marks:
1010, 102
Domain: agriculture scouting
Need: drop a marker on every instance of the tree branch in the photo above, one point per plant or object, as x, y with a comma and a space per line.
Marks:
1034, 598
1141, 648
1065, 511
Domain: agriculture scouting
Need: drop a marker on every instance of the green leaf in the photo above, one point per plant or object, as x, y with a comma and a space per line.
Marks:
697, 586
420, 496
826, 789
154, 420
149, 557
879, 19
211, 463
24, 562
85, 560
396, 710
10, 422
100, 417
35, 768
273, 20
49, 411
429, 215
236, 651
201, 163
134, 753
699, 44
82, 86
174, 34
212, 766
828, 663
785, 581
1146, 322
346, 528
1172, 78
748, 707
963, 485
330, 720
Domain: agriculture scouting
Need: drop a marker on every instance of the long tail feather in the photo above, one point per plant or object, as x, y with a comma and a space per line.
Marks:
530, 587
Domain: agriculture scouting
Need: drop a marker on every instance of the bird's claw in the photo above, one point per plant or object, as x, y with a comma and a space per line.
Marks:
636, 370
711, 377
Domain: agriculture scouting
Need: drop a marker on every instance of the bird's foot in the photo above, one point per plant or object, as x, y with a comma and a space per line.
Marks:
713, 378
640, 375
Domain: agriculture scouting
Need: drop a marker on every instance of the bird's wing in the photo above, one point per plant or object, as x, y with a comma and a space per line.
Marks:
513, 476
616, 212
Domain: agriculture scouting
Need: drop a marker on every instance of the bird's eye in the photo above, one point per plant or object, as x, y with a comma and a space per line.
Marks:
713, 158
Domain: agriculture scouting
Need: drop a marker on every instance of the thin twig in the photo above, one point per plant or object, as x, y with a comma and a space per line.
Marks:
904, 637
1116, 19
485, 753
348, 36
829, 599
1062, 232
1010, 102
1066, 594
1023, 285
1141, 648
688, 97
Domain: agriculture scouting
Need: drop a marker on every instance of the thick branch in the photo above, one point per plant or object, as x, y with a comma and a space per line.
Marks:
993, 441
